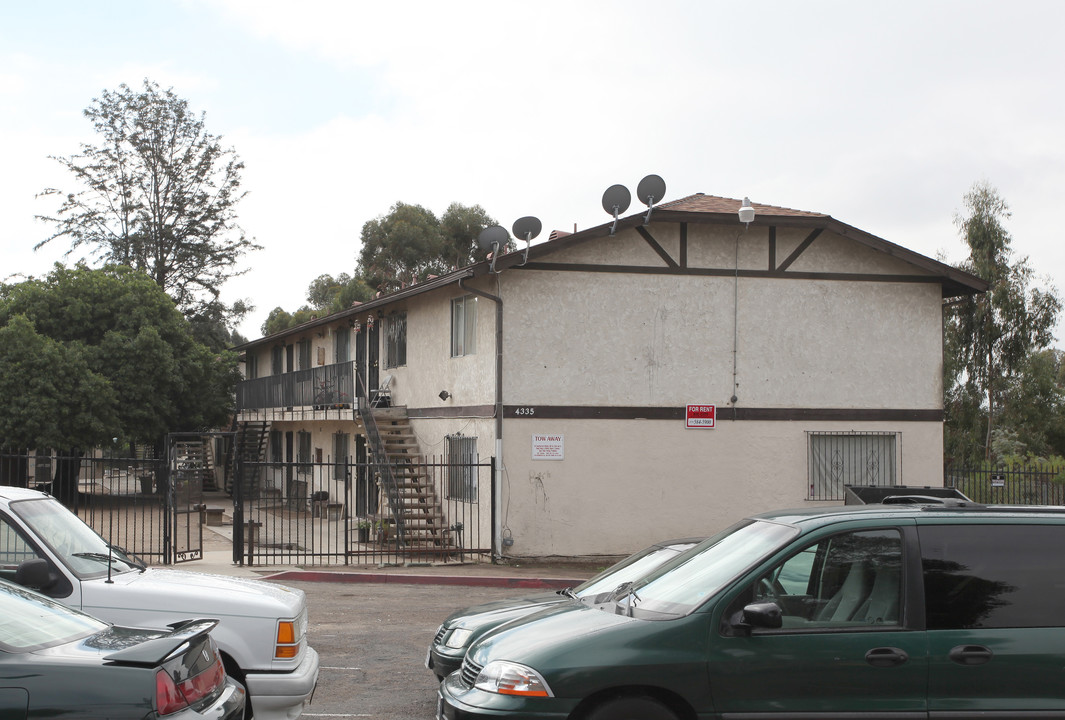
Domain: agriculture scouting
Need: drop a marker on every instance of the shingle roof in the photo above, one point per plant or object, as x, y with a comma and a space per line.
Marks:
713, 204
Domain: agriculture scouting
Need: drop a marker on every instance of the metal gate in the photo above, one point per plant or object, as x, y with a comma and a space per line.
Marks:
192, 459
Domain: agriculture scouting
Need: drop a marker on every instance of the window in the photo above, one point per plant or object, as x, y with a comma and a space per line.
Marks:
342, 345
340, 456
846, 580
275, 446
839, 459
396, 340
992, 576
461, 467
305, 354
251, 366
463, 326
303, 458
277, 360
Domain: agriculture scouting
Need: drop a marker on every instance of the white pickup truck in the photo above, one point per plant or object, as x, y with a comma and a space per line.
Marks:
262, 629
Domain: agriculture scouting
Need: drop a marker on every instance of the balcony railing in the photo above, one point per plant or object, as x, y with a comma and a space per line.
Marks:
325, 387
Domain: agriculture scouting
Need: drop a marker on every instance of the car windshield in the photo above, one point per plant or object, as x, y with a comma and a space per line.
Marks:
630, 569
75, 543
680, 587
29, 621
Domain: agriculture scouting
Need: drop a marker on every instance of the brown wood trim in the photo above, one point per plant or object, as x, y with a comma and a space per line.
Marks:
772, 247
730, 272
642, 231
583, 412
450, 411
799, 250
684, 245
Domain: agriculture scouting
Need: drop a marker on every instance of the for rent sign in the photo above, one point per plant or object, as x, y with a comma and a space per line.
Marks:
700, 416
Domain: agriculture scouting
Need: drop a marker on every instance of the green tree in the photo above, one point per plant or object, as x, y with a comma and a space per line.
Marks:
990, 337
410, 243
158, 193
90, 355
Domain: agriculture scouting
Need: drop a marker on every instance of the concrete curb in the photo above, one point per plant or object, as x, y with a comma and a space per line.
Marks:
416, 579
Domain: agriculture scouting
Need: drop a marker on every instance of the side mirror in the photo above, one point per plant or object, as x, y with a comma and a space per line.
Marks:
757, 615
35, 574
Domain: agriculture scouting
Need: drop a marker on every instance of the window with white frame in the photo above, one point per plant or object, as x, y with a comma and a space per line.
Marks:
853, 458
462, 467
463, 326
396, 340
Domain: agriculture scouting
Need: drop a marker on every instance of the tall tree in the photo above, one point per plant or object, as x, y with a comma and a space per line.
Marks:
90, 355
410, 243
990, 337
158, 193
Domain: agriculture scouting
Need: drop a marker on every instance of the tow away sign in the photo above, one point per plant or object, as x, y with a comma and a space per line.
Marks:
700, 416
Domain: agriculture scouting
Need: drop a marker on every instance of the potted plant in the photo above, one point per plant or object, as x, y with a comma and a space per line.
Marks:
363, 526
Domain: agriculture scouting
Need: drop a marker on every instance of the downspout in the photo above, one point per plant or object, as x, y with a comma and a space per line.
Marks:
497, 471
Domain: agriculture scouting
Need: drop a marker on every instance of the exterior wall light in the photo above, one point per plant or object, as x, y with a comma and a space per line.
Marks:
746, 212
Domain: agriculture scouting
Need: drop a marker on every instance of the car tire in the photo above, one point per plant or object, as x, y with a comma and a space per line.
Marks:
631, 708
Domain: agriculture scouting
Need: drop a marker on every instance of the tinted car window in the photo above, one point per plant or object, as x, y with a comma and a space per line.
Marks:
993, 576
845, 580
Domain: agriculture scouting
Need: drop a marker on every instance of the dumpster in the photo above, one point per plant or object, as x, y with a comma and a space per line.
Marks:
869, 494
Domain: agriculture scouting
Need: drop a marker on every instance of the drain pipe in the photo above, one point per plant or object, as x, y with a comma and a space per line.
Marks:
497, 471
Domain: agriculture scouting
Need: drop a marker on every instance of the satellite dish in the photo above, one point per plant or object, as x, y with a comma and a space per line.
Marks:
493, 239
616, 200
651, 190
527, 228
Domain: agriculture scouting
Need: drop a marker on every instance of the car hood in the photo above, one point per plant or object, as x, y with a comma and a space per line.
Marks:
504, 613
472, 613
190, 593
549, 629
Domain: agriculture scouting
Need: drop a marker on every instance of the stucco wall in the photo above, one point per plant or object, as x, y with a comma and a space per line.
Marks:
627, 483
583, 338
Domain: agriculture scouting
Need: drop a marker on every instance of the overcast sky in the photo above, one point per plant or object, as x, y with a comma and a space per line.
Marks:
880, 114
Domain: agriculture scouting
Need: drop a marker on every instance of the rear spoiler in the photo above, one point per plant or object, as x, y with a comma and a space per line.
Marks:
155, 651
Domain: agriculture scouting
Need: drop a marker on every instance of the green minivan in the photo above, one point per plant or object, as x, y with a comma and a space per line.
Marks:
914, 608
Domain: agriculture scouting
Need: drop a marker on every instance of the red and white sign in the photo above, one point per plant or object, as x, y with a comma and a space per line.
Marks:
548, 447
700, 416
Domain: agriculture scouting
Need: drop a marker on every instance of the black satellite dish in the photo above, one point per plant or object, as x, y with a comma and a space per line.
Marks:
493, 239
527, 228
616, 200
650, 190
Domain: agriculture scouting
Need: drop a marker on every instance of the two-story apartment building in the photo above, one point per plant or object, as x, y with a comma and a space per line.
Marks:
658, 380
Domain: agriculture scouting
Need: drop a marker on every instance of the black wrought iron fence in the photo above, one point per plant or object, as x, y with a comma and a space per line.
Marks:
329, 513
121, 498
1009, 486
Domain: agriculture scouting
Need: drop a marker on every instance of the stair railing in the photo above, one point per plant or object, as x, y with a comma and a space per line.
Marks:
386, 477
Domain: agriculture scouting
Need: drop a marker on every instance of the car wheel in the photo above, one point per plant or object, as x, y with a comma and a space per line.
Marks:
631, 708
233, 670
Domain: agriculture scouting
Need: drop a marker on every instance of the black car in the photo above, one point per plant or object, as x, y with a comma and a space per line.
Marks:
58, 662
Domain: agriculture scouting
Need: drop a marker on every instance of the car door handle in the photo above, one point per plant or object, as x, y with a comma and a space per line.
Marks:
886, 657
970, 655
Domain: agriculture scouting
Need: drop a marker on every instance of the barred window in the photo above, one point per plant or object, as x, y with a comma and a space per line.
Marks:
462, 467
463, 326
396, 340
854, 458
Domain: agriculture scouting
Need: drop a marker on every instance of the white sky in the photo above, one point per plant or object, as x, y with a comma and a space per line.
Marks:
880, 114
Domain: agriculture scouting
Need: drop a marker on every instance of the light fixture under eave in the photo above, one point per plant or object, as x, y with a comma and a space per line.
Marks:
746, 212
444, 395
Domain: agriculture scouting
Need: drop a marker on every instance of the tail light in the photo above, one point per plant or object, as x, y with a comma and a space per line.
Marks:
171, 697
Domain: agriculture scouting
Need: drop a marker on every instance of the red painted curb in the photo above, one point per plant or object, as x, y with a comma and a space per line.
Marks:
409, 579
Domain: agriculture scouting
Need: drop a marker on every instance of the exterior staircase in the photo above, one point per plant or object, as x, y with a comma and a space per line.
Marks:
416, 510
245, 457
